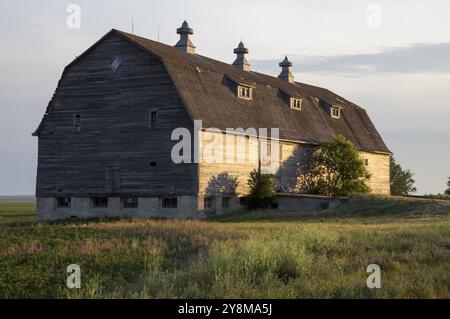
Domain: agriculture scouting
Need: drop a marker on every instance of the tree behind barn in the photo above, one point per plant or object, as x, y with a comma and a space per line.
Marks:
447, 191
335, 170
401, 180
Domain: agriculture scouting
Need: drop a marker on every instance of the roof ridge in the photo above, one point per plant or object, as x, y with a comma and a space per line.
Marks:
225, 64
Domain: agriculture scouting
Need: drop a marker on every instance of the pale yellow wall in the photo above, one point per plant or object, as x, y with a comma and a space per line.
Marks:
292, 155
379, 169
240, 170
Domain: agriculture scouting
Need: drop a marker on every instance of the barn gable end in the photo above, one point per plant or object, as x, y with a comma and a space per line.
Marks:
96, 133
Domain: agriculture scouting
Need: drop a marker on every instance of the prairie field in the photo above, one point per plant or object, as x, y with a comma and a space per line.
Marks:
265, 254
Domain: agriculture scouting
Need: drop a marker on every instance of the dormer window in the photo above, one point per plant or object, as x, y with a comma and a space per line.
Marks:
296, 104
335, 112
244, 92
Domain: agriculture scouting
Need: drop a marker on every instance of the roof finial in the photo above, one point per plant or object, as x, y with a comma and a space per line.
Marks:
185, 44
241, 61
285, 70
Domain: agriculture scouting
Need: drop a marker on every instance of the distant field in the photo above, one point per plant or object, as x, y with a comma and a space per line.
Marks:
17, 199
18, 211
245, 255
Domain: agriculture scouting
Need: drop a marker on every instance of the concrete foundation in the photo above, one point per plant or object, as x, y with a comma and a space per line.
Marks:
83, 207
300, 202
187, 206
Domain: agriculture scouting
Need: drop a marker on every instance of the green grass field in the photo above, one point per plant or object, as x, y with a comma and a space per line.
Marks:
244, 255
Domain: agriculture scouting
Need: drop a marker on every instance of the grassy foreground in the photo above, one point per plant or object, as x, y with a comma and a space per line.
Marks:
245, 255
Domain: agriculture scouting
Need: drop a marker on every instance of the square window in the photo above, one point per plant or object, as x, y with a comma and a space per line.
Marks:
335, 112
115, 64
245, 92
63, 202
169, 202
208, 202
100, 202
296, 104
129, 202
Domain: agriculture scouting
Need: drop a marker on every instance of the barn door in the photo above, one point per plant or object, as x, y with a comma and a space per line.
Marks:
112, 179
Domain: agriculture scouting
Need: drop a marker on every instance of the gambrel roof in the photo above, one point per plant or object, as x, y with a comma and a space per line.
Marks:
205, 86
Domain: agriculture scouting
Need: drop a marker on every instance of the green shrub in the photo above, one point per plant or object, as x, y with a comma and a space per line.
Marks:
262, 190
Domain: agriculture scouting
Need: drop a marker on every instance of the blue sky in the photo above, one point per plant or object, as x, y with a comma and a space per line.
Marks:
397, 69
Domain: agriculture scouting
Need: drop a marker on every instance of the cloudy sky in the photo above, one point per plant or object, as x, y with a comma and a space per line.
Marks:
390, 57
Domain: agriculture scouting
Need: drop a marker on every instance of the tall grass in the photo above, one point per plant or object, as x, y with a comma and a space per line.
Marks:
295, 255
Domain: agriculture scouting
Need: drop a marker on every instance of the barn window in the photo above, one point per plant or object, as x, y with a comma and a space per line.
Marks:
226, 202
63, 202
208, 202
335, 112
76, 120
115, 64
245, 92
296, 104
366, 162
169, 202
129, 202
100, 202
152, 163
153, 118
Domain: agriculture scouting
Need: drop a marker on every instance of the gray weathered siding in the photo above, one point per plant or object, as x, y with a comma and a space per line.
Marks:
114, 109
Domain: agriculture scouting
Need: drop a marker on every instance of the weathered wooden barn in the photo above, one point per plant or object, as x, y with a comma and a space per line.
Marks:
104, 143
